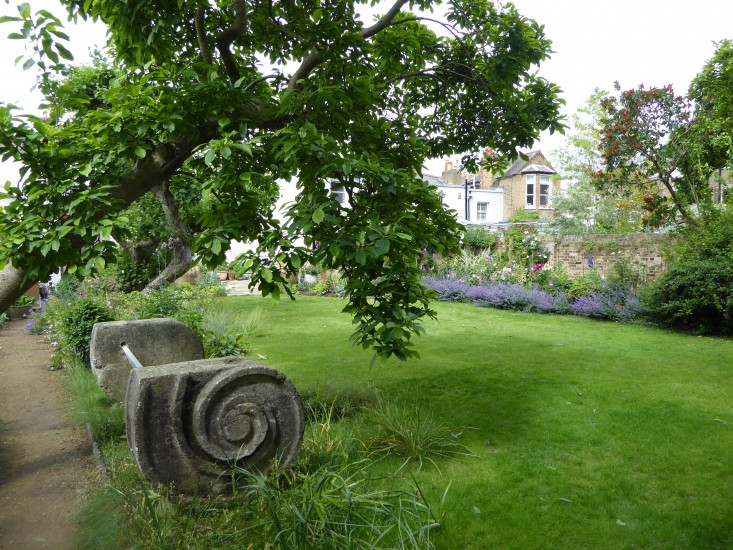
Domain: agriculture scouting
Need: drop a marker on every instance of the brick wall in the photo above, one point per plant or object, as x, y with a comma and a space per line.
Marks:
641, 252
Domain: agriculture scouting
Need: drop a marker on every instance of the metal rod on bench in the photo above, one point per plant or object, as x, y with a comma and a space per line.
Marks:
131, 357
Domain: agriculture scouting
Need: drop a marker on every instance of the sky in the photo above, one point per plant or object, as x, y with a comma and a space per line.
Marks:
654, 42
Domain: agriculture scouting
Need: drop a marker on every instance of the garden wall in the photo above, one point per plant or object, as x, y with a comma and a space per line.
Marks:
642, 253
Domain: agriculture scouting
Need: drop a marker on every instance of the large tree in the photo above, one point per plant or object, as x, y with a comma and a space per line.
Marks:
246, 93
651, 146
582, 208
711, 92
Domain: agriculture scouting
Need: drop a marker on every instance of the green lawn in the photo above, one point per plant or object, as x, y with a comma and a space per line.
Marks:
584, 434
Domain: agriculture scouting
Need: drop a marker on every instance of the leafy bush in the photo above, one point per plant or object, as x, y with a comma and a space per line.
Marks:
478, 238
180, 302
695, 293
523, 215
77, 324
584, 285
25, 301
224, 345
211, 282
3, 318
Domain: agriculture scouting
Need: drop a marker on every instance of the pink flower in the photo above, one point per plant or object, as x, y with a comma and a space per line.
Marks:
536, 268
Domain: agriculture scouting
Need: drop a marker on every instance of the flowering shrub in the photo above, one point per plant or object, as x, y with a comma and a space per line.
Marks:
502, 296
613, 302
542, 301
616, 302
448, 290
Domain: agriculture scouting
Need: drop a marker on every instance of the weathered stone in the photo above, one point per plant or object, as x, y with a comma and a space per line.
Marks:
194, 425
153, 341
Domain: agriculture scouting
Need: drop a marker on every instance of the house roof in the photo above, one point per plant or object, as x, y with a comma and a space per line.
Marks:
521, 166
537, 169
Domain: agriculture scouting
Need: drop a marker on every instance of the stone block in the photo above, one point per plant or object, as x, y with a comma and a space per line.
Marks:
194, 425
153, 341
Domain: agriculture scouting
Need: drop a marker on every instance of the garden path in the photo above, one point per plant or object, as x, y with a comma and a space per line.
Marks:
46, 463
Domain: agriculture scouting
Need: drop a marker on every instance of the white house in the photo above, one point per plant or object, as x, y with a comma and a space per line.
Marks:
473, 206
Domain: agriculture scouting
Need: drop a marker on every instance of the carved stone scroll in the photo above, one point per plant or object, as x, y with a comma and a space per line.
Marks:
194, 424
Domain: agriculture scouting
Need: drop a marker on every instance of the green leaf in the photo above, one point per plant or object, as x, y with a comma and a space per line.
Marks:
210, 156
87, 169
66, 54
216, 246
140, 152
318, 216
295, 261
225, 152
381, 247
28, 64
266, 274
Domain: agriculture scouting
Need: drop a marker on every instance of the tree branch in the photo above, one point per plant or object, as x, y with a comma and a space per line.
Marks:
199, 24
228, 35
385, 21
312, 60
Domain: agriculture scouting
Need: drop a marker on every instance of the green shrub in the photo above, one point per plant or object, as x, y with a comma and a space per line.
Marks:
524, 216
77, 324
180, 302
211, 282
25, 301
584, 285
695, 293
3, 318
225, 345
479, 238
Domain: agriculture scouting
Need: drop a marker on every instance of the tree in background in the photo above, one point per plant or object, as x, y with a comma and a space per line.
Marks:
582, 208
242, 94
648, 147
711, 92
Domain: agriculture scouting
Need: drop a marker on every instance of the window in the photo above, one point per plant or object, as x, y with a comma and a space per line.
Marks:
482, 209
544, 191
530, 191
538, 191
339, 193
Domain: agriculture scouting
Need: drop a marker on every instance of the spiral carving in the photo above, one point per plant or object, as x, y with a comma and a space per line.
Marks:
192, 424
242, 416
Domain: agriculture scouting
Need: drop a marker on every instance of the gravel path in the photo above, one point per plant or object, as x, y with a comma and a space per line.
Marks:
46, 463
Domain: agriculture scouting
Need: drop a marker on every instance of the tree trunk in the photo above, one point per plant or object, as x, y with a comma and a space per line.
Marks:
12, 286
180, 263
155, 169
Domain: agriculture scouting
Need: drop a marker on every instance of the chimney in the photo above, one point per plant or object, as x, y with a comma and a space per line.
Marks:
448, 166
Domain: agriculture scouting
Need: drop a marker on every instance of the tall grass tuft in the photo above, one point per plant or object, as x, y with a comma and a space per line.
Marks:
91, 405
413, 433
334, 509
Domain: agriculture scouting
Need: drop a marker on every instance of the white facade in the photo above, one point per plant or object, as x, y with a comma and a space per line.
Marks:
473, 206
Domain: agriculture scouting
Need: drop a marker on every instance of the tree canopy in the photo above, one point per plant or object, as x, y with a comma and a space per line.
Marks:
239, 95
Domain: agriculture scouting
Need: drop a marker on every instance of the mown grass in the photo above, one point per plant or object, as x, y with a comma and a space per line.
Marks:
519, 431
582, 434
